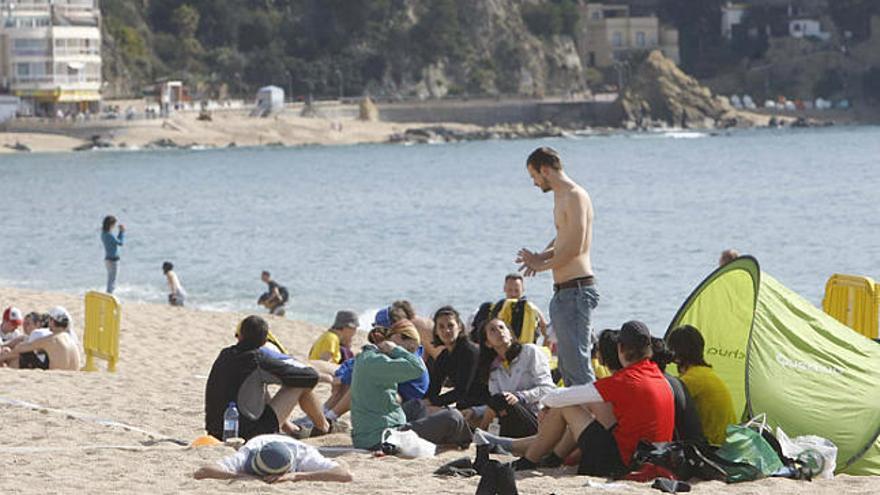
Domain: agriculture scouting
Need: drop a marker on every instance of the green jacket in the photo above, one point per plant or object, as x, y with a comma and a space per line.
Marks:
374, 405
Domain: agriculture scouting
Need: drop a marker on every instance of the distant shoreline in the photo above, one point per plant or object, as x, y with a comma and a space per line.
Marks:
337, 124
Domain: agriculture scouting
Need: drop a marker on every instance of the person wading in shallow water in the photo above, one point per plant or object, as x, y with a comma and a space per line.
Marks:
568, 256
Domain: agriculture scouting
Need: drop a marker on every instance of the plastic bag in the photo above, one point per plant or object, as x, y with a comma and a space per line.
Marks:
817, 454
408, 443
744, 444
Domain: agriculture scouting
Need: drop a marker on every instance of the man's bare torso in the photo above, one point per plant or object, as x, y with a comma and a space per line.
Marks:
571, 206
62, 352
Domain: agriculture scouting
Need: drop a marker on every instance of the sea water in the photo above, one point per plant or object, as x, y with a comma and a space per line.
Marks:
360, 226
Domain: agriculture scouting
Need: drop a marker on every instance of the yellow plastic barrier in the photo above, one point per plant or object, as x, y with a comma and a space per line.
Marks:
854, 301
101, 335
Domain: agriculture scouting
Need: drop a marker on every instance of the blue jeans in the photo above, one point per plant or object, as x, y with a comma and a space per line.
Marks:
112, 269
570, 311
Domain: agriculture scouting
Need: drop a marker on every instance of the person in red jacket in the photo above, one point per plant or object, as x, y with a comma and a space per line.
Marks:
607, 418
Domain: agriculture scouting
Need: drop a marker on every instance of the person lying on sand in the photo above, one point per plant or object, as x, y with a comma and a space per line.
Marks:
275, 458
241, 374
60, 350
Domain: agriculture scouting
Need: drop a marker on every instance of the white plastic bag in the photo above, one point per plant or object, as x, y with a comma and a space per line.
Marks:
817, 452
408, 443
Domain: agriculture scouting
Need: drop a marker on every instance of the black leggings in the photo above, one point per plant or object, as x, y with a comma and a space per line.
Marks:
516, 421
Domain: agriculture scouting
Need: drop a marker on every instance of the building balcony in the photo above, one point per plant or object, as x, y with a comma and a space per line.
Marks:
45, 5
64, 82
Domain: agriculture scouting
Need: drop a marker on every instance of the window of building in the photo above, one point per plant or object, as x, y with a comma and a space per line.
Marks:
640, 39
617, 39
22, 70
23, 47
597, 15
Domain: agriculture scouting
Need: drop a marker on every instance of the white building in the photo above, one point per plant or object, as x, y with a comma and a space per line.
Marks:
50, 54
807, 28
731, 15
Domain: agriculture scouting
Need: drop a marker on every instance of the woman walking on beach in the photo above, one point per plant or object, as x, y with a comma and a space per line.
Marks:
111, 249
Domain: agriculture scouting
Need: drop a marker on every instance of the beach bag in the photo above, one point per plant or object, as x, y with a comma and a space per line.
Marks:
669, 456
408, 443
685, 460
746, 445
816, 455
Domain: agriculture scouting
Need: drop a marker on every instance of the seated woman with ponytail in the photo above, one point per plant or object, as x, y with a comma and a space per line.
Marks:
517, 383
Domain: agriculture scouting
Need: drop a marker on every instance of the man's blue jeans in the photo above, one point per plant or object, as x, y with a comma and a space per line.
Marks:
570, 311
112, 269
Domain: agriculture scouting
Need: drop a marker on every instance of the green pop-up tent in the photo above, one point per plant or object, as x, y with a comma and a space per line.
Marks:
782, 356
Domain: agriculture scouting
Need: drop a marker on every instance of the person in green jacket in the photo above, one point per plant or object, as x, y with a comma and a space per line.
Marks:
375, 405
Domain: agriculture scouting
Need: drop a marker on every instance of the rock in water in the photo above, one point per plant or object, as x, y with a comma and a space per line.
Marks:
369, 112
659, 91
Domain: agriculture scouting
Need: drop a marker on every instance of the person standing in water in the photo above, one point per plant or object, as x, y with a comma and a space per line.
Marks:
177, 295
112, 244
568, 256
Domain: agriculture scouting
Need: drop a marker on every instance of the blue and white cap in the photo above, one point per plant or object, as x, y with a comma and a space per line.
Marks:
272, 459
383, 318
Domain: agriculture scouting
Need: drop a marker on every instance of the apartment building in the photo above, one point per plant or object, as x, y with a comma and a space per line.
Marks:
50, 55
609, 33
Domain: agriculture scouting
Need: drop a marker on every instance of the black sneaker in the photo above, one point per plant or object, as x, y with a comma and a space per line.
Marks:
316, 432
523, 464
550, 460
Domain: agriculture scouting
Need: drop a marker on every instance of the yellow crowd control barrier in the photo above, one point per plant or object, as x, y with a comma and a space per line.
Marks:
101, 335
854, 301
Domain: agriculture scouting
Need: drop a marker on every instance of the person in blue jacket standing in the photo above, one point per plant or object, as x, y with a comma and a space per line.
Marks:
111, 249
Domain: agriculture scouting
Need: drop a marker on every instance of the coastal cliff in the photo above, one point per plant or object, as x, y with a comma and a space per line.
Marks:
660, 92
390, 49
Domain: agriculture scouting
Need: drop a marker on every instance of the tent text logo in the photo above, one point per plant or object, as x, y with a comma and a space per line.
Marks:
805, 366
728, 353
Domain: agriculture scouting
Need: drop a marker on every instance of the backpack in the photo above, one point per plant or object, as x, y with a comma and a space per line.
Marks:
520, 314
284, 294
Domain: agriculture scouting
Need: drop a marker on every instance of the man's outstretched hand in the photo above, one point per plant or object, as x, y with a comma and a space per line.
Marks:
529, 262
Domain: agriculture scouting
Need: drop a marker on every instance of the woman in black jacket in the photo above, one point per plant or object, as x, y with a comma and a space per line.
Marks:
457, 362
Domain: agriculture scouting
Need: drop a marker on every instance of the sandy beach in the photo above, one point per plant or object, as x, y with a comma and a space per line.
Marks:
236, 127
227, 128
166, 354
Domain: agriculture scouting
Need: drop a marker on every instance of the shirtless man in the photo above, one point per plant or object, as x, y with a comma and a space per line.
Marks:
568, 256
60, 348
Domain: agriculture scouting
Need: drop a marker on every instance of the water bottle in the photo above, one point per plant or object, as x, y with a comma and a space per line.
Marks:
230, 422
495, 427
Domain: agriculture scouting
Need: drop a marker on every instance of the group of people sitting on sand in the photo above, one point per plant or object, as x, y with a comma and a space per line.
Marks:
39, 340
449, 383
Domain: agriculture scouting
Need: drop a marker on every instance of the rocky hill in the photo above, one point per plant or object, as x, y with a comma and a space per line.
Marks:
659, 92
386, 48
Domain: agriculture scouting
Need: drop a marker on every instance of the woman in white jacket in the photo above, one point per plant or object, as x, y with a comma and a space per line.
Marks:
518, 381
